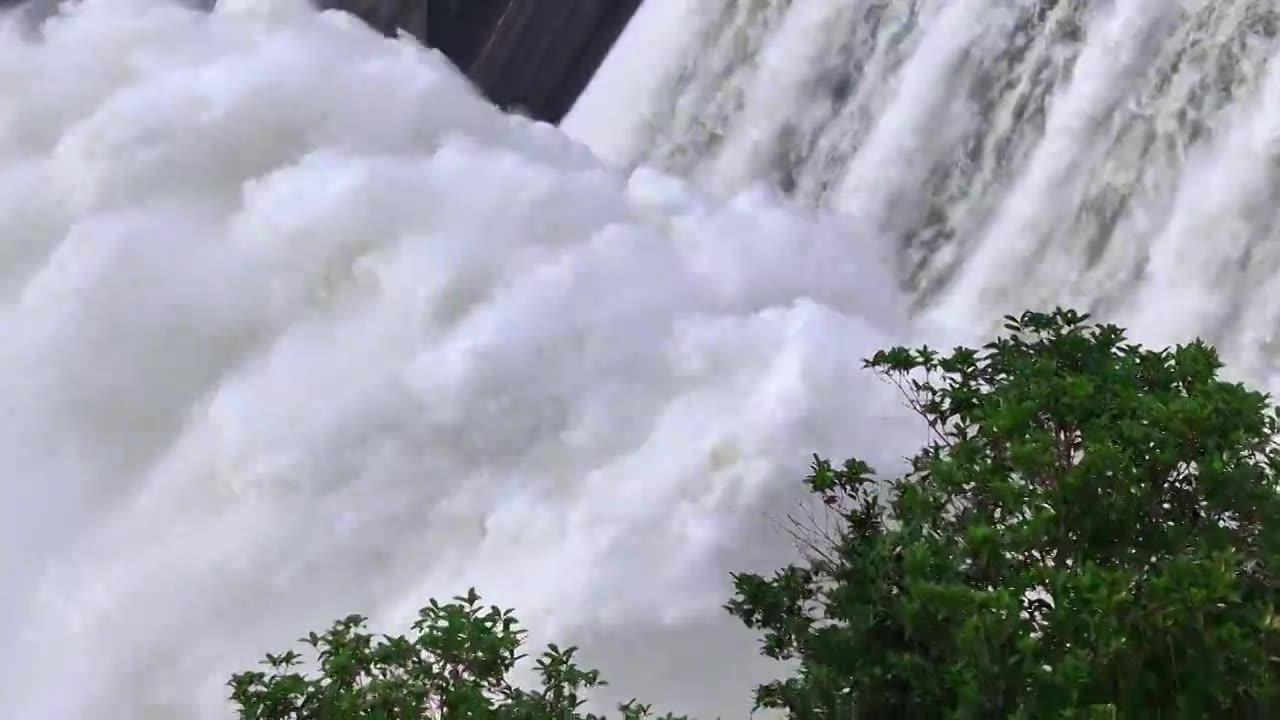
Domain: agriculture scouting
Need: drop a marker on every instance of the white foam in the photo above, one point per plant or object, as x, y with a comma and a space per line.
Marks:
296, 325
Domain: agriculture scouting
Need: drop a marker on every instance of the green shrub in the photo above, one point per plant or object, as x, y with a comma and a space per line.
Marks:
1091, 532
454, 668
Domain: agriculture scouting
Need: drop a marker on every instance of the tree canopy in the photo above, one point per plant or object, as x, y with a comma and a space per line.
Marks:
1091, 532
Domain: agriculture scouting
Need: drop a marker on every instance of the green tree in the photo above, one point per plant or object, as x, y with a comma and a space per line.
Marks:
1091, 532
454, 668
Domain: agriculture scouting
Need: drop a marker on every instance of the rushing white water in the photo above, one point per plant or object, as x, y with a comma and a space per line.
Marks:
1117, 156
295, 325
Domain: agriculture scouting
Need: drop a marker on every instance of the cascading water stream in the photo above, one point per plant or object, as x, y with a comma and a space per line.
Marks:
1116, 156
295, 325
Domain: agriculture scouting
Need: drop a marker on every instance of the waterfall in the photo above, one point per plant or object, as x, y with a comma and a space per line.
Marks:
295, 325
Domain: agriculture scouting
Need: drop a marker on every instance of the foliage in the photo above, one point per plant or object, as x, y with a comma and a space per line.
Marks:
454, 668
1091, 532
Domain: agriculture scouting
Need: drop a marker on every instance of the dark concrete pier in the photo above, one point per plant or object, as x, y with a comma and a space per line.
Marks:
534, 56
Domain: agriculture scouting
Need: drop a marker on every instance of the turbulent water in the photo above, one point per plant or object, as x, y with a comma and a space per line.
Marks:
1118, 156
295, 325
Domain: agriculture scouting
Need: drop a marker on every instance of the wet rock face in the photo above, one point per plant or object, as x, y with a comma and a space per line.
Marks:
535, 56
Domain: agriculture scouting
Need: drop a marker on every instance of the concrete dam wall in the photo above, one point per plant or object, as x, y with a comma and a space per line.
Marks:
534, 56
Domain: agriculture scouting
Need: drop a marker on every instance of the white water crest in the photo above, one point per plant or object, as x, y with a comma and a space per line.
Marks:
296, 325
